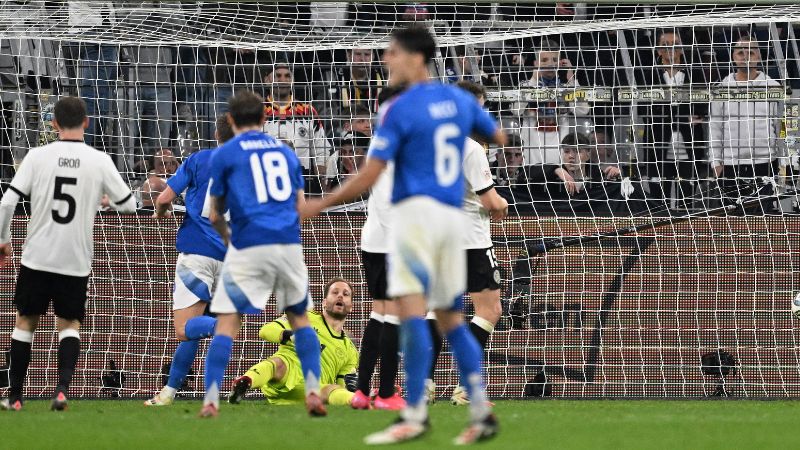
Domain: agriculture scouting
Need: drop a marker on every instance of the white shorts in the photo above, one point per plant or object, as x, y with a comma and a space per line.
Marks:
426, 253
250, 275
195, 279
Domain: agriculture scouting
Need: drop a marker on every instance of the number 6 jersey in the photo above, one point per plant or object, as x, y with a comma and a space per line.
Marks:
65, 182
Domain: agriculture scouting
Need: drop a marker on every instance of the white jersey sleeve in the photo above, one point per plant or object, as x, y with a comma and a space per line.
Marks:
375, 233
115, 187
478, 177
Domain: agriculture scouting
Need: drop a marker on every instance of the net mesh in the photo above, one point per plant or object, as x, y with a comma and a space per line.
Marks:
674, 128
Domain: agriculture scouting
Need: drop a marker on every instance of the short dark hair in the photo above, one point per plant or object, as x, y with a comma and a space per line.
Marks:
514, 141
575, 140
359, 110
246, 108
69, 112
333, 281
389, 92
224, 130
416, 39
473, 88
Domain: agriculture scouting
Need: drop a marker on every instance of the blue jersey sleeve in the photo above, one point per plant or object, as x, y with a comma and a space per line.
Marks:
218, 186
387, 139
180, 181
484, 124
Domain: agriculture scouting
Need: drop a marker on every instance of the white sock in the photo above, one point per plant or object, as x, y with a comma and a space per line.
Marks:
168, 392
394, 320
212, 396
22, 335
478, 405
376, 316
415, 413
483, 323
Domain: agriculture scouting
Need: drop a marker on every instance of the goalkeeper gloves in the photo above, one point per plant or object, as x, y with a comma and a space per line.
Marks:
286, 336
351, 382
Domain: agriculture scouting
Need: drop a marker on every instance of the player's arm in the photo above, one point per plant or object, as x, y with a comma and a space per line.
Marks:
175, 185
486, 127
494, 203
118, 192
479, 176
348, 191
277, 332
19, 187
347, 376
217, 218
164, 202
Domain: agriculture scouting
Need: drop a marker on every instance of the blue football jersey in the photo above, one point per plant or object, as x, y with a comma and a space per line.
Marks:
259, 176
196, 235
424, 131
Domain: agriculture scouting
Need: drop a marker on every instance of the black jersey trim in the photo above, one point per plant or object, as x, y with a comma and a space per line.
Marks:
329, 329
72, 140
124, 199
485, 190
20, 193
279, 323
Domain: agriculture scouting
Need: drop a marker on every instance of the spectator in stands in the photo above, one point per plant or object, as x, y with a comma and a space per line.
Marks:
298, 123
743, 134
604, 155
674, 131
357, 82
508, 167
164, 163
345, 161
360, 121
149, 192
98, 66
150, 70
540, 121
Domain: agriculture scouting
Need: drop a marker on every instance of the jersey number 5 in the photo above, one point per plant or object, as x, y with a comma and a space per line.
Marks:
59, 194
448, 157
271, 177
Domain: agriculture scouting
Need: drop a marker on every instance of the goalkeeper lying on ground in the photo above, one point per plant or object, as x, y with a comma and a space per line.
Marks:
280, 377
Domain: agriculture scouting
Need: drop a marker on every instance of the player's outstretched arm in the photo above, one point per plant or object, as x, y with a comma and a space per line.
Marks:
276, 332
495, 204
351, 189
7, 206
164, 202
217, 218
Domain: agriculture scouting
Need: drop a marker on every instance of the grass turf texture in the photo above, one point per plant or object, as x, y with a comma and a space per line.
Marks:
524, 424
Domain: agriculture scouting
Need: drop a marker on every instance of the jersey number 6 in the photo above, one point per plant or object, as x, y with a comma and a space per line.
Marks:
448, 157
271, 177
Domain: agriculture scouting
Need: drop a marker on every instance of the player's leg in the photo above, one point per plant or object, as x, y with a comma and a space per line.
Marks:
31, 299
438, 343
369, 353
195, 278
334, 394
291, 294
272, 369
219, 354
390, 360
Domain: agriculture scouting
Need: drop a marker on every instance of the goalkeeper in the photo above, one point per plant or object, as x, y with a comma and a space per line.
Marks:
280, 377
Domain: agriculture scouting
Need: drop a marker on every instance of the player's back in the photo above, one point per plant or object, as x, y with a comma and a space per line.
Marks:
425, 129
196, 235
259, 176
66, 181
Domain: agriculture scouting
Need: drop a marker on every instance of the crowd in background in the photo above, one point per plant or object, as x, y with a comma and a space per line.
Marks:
578, 157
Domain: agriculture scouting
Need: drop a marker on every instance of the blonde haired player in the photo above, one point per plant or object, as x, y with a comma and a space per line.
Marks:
280, 377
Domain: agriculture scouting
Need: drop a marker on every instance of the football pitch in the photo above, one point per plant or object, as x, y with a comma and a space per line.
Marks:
547, 424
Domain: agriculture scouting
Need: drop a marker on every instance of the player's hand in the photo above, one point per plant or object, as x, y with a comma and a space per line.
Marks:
5, 253
500, 212
286, 336
310, 208
162, 215
611, 172
105, 202
351, 382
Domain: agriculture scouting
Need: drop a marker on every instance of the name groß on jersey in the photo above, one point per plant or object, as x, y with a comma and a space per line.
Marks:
259, 144
443, 110
72, 163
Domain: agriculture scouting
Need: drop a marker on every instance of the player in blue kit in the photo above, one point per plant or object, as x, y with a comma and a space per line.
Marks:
259, 181
423, 131
199, 262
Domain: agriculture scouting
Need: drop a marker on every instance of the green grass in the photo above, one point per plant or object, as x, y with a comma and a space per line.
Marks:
535, 424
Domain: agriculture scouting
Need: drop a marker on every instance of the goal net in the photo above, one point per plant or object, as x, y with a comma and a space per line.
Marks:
652, 245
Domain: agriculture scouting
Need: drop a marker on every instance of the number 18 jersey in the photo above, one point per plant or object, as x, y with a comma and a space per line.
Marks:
259, 177
423, 131
65, 181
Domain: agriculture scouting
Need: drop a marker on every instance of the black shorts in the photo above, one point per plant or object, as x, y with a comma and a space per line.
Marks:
483, 272
375, 273
36, 288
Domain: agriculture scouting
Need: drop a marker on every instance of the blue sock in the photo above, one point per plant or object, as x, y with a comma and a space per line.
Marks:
468, 355
200, 327
219, 353
306, 344
416, 345
182, 362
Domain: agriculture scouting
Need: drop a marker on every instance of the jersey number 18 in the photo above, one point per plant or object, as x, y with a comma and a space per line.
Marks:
271, 177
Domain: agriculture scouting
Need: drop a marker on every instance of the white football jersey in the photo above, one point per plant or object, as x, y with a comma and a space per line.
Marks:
478, 177
375, 233
65, 182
